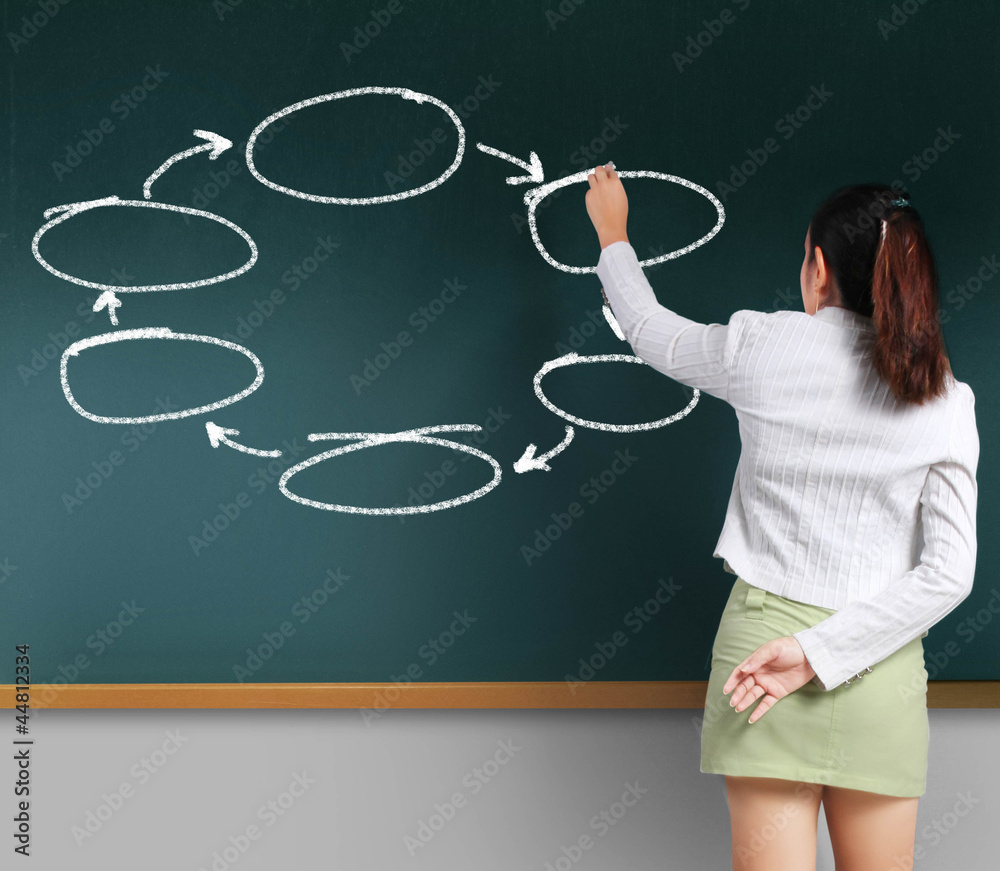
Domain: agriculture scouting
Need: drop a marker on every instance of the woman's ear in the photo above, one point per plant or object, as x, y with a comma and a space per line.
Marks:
819, 264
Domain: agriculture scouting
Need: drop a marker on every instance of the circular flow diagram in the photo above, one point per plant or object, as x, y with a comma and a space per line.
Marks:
216, 145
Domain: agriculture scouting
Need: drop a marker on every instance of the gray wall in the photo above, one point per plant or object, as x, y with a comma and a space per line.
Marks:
367, 786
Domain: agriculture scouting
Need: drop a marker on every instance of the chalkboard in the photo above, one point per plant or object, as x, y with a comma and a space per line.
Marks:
290, 294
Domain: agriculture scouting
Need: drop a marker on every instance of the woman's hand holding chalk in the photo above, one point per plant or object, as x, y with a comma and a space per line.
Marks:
607, 205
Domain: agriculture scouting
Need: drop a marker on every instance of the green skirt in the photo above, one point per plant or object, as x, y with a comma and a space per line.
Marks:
871, 734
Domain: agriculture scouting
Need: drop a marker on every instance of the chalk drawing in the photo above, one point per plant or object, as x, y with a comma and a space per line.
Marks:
573, 359
154, 333
533, 167
220, 435
215, 145
406, 94
534, 196
109, 298
529, 461
365, 440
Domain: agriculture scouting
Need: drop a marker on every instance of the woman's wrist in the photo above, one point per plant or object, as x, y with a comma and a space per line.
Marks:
610, 238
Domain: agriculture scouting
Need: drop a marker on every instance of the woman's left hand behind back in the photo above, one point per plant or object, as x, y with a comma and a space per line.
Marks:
770, 673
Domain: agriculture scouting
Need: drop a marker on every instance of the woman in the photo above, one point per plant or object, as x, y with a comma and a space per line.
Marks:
851, 526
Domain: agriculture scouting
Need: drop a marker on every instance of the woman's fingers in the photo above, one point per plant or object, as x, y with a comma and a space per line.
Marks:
741, 689
736, 679
750, 697
749, 678
598, 172
762, 708
737, 673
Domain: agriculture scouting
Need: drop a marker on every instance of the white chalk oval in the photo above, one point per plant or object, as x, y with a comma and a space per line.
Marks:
534, 196
68, 211
406, 94
155, 333
370, 440
573, 359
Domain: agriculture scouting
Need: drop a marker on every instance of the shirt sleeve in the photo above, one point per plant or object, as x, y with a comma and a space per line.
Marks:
866, 631
695, 354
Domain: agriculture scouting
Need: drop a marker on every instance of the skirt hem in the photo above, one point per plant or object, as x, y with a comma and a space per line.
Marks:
824, 777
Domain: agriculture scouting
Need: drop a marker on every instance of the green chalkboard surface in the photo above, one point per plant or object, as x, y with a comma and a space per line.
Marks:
289, 443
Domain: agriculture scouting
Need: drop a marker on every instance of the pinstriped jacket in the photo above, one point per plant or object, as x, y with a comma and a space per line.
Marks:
843, 496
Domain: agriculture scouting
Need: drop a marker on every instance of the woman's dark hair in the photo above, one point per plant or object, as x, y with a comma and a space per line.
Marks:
887, 272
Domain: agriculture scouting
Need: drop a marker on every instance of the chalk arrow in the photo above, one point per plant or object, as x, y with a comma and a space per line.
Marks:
534, 168
219, 435
111, 301
215, 145
529, 461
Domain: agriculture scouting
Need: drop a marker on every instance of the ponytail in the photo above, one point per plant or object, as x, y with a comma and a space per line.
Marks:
874, 244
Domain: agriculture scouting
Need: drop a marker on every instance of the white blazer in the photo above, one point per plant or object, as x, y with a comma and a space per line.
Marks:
843, 497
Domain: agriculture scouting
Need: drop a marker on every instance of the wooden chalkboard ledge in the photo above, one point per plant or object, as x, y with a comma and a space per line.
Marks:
378, 697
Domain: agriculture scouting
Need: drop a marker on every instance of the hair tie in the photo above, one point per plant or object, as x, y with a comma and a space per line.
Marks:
898, 203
